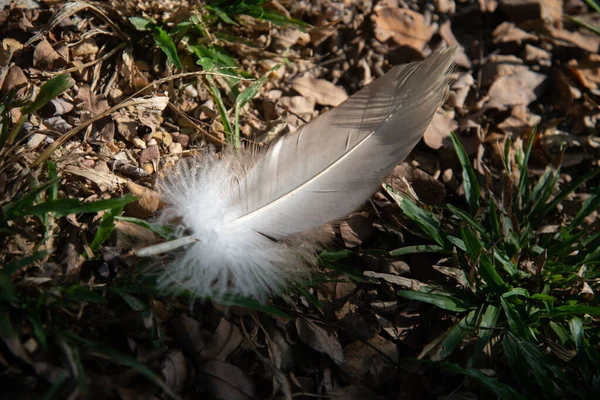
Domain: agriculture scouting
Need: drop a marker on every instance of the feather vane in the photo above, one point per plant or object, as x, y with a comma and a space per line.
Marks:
245, 215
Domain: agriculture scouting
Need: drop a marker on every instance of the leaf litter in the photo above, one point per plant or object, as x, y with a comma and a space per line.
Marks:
135, 111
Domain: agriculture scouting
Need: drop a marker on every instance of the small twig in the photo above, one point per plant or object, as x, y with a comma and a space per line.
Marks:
183, 75
91, 63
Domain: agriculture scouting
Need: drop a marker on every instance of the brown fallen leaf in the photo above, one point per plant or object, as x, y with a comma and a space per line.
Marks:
356, 228
354, 392
6, 54
289, 37
226, 381
319, 90
189, 337
44, 56
586, 71
150, 153
412, 284
368, 366
428, 189
507, 32
87, 49
548, 11
533, 53
104, 180
519, 122
566, 88
298, 104
174, 370
225, 339
15, 77
459, 90
320, 339
462, 60
521, 87
438, 132
148, 201
405, 27
55, 108
590, 43
130, 235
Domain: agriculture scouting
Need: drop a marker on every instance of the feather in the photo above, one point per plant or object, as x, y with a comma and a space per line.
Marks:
242, 214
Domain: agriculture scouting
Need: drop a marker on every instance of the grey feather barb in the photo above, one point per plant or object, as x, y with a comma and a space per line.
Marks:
318, 174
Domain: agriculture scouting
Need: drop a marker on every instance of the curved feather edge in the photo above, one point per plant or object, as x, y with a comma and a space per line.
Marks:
329, 167
247, 213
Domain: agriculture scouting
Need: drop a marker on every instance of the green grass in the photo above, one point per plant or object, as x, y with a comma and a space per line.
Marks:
519, 287
211, 55
592, 28
48, 91
47, 314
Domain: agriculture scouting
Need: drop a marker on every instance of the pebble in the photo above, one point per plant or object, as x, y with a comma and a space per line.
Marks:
139, 143
175, 148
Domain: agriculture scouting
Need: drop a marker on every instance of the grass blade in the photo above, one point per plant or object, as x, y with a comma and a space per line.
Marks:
498, 388
425, 220
465, 327
424, 248
48, 91
163, 231
472, 190
444, 302
166, 44
107, 225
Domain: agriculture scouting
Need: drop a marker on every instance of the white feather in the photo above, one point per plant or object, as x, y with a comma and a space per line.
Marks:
244, 217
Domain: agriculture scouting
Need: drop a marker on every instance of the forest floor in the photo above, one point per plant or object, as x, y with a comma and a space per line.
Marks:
473, 273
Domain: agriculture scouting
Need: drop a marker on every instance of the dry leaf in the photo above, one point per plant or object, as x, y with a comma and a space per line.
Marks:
174, 371
5, 57
44, 56
225, 339
519, 10
354, 392
298, 104
148, 201
533, 53
459, 90
150, 153
356, 228
320, 339
289, 37
368, 366
405, 27
519, 122
462, 60
428, 189
225, 381
589, 43
14, 78
439, 130
395, 279
566, 88
187, 332
320, 91
86, 49
104, 180
586, 71
507, 32
522, 87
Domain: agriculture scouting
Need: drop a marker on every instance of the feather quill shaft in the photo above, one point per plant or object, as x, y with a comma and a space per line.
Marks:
243, 218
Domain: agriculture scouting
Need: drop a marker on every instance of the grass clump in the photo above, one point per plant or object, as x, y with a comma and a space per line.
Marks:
523, 288
195, 37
